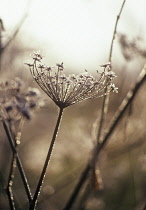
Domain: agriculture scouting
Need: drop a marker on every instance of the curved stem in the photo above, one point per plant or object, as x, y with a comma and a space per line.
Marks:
39, 186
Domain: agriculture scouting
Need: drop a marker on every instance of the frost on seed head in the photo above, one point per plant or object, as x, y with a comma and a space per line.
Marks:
68, 90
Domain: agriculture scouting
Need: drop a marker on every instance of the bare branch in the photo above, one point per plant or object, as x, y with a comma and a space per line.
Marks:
106, 97
115, 31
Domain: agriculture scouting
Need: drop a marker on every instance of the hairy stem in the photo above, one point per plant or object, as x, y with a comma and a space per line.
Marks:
40, 183
19, 164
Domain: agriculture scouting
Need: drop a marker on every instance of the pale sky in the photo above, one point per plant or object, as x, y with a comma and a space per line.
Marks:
77, 32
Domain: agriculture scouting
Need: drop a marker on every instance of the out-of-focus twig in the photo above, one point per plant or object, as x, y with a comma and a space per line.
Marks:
1, 30
9, 187
115, 32
20, 167
10, 183
17, 29
3, 46
116, 119
105, 103
101, 123
106, 97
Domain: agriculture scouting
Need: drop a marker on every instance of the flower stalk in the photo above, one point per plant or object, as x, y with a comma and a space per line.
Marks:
40, 183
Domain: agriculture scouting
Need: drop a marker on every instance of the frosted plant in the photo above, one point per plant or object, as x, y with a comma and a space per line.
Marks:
65, 91
68, 90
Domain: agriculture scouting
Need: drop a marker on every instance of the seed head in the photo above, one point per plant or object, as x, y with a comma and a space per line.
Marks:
68, 90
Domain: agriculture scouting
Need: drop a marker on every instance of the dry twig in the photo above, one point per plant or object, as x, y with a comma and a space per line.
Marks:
116, 119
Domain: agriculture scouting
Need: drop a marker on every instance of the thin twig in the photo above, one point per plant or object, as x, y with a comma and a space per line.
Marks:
115, 32
126, 102
10, 183
39, 186
116, 119
9, 188
102, 120
106, 97
20, 167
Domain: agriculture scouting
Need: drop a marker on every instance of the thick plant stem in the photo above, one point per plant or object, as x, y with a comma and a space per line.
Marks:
19, 164
39, 186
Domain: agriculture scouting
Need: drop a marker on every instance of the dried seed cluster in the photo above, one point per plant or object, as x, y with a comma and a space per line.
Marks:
68, 90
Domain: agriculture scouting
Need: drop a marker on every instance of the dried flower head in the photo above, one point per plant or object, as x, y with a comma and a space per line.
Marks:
68, 90
17, 102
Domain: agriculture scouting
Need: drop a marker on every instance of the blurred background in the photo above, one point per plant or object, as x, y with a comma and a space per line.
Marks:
78, 33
